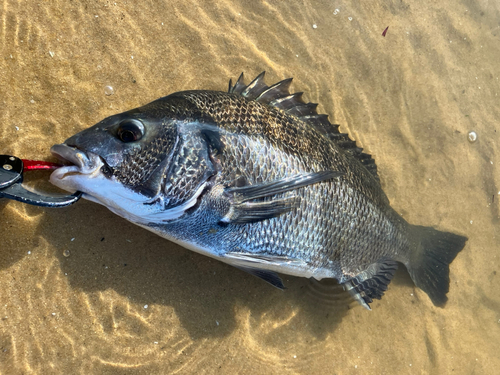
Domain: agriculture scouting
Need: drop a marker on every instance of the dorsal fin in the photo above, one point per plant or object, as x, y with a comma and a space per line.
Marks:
278, 96
276, 91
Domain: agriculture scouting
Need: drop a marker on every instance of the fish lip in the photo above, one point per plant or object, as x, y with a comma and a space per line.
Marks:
72, 155
84, 166
85, 162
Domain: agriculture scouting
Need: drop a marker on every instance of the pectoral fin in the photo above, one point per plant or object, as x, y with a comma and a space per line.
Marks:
249, 212
246, 193
242, 211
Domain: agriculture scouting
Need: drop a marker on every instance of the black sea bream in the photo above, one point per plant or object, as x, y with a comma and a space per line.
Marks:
256, 178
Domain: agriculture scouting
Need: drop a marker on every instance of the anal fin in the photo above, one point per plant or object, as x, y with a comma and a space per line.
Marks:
372, 282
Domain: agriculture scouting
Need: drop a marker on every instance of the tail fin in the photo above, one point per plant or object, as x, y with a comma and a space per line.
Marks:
430, 260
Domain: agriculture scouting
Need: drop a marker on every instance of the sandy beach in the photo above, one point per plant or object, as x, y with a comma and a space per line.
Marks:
83, 291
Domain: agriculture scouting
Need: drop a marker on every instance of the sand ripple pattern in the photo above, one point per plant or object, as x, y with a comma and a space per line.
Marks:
84, 292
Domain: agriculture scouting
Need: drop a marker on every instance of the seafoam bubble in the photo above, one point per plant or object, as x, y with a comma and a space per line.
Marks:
109, 90
66, 253
472, 136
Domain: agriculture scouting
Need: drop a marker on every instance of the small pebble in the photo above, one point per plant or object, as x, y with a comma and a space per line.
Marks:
51, 54
145, 306
29, 252
315, 26
472, 137
108, 90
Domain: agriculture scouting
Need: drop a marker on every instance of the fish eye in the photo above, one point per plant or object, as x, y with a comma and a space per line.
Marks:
130, 130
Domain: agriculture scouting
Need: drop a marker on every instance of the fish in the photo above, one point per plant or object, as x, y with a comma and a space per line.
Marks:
256, 178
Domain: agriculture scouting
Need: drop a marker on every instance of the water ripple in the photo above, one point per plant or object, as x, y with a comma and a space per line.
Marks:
409, 98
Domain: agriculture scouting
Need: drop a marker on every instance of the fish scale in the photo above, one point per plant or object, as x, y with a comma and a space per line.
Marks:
249, 125
255, 177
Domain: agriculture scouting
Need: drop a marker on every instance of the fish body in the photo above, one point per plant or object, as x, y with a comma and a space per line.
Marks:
256, 178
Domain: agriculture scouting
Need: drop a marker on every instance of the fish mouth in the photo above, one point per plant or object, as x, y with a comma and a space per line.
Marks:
82, 164
71, 154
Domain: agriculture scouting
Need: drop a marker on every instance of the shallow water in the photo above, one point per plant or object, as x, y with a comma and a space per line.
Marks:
83, 291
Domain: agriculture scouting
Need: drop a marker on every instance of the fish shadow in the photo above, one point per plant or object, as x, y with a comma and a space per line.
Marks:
98, 251
10, 254
17, 232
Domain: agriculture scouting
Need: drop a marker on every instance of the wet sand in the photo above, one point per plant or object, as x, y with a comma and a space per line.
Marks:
84, 291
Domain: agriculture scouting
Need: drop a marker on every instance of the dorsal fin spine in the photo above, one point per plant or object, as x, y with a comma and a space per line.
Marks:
276, 91
255, 88
278, 96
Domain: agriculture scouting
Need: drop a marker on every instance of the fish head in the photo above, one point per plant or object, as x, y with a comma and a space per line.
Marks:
121, 162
